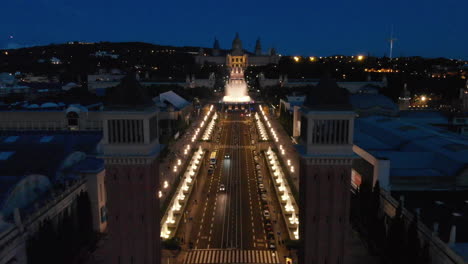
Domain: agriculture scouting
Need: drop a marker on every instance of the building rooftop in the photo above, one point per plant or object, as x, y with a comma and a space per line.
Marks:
409, 145
171, 98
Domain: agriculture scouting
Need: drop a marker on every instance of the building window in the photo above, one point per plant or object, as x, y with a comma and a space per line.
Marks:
72, 118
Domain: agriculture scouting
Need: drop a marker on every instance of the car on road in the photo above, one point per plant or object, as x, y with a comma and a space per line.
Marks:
227, 156
271, 235
260, 178
264, 197
261, 186
258, 166
222, 188
272, 244
268, 227
266, 213
256, 158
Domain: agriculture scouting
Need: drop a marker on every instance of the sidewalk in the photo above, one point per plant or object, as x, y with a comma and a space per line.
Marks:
176, 151
290, 151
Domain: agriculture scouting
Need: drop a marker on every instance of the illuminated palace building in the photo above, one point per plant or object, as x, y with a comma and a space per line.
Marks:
237, 59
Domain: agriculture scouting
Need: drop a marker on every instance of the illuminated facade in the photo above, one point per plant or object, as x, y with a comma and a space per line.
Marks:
237, 56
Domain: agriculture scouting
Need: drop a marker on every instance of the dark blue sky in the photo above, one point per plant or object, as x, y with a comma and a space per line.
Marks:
429, 28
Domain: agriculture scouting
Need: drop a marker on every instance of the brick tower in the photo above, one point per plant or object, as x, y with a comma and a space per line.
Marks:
130, 147
325, 173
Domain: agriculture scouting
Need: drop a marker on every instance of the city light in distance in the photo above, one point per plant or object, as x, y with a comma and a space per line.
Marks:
360, 58
296, 58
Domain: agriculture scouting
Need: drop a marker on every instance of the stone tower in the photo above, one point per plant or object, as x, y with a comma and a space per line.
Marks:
258, 48
130, 148
216, 47
326, 155
237, 46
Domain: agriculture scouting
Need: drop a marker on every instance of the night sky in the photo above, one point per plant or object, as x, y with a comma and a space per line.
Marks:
429, 28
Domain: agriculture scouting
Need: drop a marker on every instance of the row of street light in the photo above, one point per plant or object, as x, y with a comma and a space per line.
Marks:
173, 212
261, 128
288, 203
195, 135
272, 130
209, 129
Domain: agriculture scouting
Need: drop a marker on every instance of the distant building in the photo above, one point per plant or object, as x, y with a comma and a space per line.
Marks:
98, 83
55, 61
9, 85
237, 56
106, 54
352, 87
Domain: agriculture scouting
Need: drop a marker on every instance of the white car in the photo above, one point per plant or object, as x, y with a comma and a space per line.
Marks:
222, 188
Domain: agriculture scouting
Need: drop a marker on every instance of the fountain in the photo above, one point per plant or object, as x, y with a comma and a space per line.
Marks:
236, 88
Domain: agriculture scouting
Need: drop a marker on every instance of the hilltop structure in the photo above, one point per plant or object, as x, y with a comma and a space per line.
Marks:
237, 56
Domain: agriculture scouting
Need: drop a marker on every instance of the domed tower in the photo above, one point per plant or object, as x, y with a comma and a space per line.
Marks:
326, 155
237, 46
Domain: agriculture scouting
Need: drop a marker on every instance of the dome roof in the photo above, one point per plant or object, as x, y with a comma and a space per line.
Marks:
237, 43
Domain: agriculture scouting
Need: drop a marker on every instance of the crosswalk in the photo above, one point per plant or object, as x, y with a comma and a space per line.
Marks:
236, 146
228, 256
